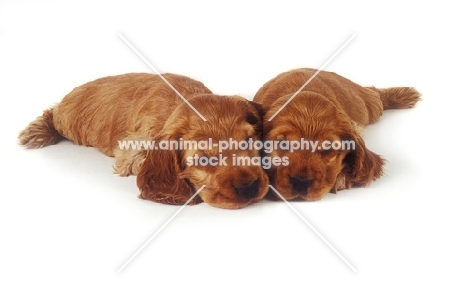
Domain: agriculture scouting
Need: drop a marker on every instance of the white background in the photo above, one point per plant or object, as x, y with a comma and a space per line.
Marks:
67, 223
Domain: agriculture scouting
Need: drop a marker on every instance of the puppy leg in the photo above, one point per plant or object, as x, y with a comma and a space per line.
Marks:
40, 132
128, 162
129, 157
130, 152
398, 97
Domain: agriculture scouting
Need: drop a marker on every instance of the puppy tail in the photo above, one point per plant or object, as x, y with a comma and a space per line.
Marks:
398, 97
40, 132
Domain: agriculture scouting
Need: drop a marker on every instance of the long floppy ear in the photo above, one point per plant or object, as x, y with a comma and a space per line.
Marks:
159, 178
256, 117
258, 108
258, 125
361, 166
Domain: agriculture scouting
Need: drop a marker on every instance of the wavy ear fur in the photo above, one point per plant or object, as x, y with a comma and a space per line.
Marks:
256, 117
258, 108
159, 178
361, 166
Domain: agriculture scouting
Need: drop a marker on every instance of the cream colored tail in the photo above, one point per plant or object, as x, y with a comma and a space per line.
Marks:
40, 132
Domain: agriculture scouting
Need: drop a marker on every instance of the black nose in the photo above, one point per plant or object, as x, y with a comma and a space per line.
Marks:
300, 184
249, 190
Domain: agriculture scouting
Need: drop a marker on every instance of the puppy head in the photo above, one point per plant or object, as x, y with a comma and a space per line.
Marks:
174, 175
335, 156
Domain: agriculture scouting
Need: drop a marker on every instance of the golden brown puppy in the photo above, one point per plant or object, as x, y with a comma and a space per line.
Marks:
329, 111
111, 111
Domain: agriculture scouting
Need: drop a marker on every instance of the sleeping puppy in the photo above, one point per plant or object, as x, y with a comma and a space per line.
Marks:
117, 114
329, 111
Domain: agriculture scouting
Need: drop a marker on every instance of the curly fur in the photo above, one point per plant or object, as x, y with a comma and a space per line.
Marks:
140, 106
330, 107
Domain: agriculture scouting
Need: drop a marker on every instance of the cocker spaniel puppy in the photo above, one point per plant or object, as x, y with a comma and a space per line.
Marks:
316, 132
117, 114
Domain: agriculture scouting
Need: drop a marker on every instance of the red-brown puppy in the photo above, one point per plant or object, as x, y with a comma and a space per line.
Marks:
329, 111
142, 107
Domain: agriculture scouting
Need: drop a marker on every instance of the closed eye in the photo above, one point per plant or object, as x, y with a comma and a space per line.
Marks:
207, 153
326, 152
